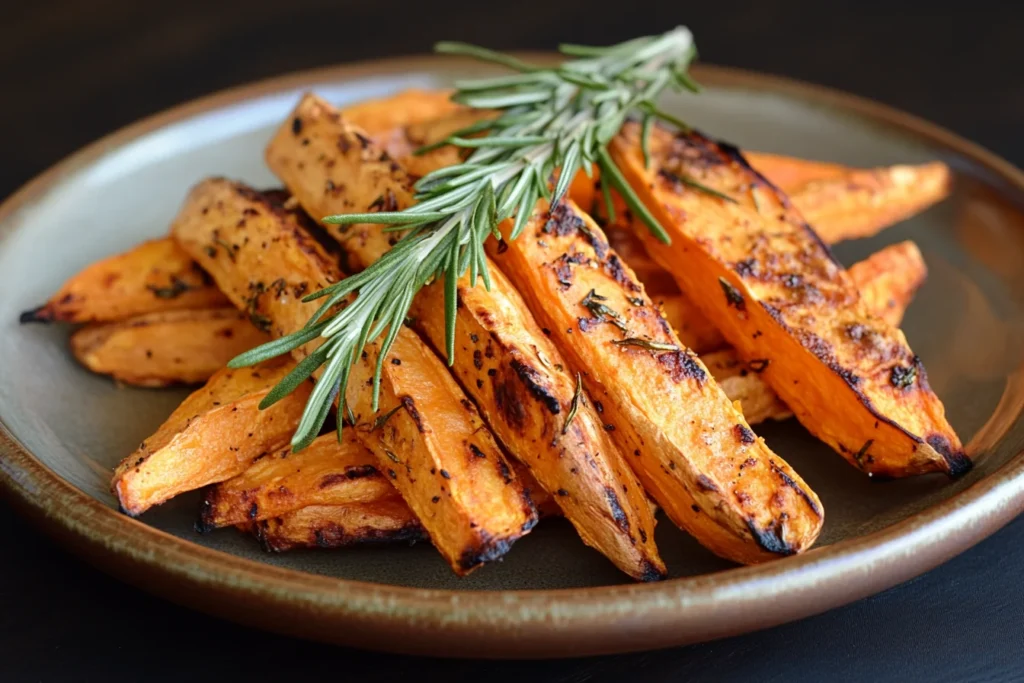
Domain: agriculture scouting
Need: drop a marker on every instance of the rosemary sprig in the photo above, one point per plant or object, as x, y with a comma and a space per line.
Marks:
553, 122
645, 344
575, 405
601, 312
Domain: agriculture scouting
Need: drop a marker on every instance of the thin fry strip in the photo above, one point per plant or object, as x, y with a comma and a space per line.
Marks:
215, 434
152, 277
324, 473
167, 347
388, 520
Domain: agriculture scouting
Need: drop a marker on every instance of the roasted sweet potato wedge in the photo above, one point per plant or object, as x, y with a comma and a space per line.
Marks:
692, 449
763, 276
258, 253
388, 520
169, 347
887, 281
503, 360
848, 203
215, 434
410, 107
154, 276
324, 473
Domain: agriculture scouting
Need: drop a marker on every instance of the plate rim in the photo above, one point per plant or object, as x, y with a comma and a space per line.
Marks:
514, 623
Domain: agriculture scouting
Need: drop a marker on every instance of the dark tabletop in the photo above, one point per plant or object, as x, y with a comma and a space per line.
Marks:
71, 71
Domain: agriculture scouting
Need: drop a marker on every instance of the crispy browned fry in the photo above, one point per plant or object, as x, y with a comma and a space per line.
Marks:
848, 203
215, 434
168, 347
692, 449
473, 507
887, 281
761, 274
154, 276
324, 473
387, 520
503, 359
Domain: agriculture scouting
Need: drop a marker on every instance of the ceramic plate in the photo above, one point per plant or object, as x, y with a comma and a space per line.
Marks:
65, 429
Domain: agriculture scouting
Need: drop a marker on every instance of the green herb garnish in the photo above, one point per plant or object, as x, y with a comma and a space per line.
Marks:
553, 121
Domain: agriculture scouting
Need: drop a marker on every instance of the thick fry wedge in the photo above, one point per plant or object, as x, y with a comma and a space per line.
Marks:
169, 347
759, 272
849, 203
215, 434
324, 473
887, 280
154, 276
410, 107
474, 508
388, 520
503, 359
692, 449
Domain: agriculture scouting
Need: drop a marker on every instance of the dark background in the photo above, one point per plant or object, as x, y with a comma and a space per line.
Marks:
71, 71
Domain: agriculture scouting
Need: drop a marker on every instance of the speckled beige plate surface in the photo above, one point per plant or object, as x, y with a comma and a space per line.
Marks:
63, 429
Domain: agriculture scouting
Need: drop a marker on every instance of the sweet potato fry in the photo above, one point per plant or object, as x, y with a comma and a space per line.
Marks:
692, 449
762, 275
849, 203
388, 520
168, 347
887, 280
324, 473
473, 507
154, 276
503, 359
215, 434
410, 107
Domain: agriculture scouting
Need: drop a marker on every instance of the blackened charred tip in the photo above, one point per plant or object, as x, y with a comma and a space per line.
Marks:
770, 540
650, 572
203, 526
35, 315
957, 461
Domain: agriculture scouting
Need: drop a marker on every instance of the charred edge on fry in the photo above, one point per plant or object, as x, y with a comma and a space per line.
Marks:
770, 540
40, 314
682, 365
788, 481
734, 154
618, 514
852, 380
490, 549
533, 381
957, 460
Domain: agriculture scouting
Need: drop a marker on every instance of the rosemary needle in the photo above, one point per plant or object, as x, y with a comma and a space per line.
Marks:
552, 120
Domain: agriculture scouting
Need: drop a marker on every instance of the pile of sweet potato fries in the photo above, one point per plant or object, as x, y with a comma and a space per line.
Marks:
603, 376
